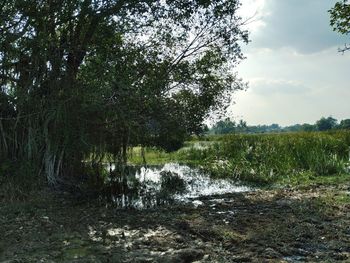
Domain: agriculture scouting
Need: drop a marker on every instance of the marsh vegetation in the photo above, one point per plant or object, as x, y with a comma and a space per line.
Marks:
263, 159
104, 155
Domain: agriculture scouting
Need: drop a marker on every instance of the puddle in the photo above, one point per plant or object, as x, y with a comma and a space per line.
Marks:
148, 187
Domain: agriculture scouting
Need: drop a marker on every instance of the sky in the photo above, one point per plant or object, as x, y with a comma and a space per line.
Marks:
293, 67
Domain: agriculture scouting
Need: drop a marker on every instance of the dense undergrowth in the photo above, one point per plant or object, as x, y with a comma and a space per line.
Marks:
287, 158
261, 160
18, 181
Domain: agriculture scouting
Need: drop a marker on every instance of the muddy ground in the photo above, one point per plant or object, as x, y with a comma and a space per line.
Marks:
284, 225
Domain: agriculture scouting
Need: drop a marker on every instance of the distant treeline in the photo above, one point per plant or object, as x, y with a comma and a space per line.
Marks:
230, 126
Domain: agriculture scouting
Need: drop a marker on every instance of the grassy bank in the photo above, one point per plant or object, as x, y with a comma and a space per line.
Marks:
286, 158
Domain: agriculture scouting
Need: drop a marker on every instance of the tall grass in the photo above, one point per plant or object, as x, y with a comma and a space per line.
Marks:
268, 158
274, 157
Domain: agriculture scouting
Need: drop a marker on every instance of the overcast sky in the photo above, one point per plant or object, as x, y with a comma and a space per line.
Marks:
294, 69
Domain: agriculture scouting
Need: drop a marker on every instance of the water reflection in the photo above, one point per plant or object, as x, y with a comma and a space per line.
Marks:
148, 187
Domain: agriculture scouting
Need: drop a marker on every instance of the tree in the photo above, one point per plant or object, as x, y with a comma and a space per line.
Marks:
84, 79
307, 127
224, 126
340, 19
325, 124
344, 124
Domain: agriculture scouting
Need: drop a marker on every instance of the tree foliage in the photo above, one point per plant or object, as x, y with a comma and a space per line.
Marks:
83, 79
345, 124
340, 19
324, 124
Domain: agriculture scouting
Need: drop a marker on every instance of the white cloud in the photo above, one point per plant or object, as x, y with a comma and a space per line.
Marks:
252, 10
298, 24
288, 87
295, 73
270, 87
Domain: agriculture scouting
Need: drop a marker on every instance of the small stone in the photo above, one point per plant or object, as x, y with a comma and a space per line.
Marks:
187, 255
197, 203
143, 259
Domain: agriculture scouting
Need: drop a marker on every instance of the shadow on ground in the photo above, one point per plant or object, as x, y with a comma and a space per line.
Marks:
285, 225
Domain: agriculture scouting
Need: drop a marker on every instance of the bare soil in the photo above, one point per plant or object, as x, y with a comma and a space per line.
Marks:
284, 225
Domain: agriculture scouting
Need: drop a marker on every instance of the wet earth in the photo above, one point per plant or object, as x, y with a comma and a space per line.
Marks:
310, 224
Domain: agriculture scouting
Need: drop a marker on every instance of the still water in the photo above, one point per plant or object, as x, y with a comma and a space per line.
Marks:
152, 186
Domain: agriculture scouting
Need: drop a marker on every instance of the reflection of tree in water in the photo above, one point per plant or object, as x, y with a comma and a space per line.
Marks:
148, 187
172, 183
127, 187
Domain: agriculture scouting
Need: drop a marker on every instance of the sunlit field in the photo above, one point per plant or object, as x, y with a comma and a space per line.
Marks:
263, 159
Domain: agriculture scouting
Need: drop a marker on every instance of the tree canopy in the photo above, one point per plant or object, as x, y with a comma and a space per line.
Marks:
324, 124
340, 19
83, 79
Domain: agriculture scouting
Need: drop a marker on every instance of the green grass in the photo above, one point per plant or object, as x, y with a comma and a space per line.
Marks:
306, 179
342, 199
152, 156
264, 159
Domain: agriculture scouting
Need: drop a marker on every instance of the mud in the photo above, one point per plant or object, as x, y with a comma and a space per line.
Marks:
283, 225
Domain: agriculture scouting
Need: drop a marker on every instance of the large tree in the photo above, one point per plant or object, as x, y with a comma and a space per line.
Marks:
340, 19
344, 124
325, 124
85, 78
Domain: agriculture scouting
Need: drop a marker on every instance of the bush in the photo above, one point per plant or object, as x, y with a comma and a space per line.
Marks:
268, 158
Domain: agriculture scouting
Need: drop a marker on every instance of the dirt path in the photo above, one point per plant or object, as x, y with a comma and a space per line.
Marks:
287, 225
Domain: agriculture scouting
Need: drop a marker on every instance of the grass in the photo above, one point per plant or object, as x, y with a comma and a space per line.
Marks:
152, 156
342, 199
305, 179
264, 159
